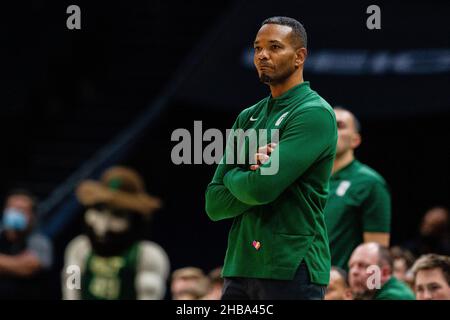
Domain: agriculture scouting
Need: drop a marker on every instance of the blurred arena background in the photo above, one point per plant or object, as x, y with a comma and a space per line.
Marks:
74, 102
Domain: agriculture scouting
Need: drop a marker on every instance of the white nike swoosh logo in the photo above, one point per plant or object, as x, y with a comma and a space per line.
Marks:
281, 118
251, 119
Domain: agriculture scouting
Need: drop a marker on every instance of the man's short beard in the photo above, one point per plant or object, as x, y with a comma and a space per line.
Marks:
264, 78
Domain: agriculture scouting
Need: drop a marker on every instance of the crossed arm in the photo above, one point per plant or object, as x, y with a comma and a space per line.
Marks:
36, 257
220, 203
21, 265
234, 190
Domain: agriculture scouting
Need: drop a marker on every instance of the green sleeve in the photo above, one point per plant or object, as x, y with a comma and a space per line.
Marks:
376, 214
220, 203
307, 136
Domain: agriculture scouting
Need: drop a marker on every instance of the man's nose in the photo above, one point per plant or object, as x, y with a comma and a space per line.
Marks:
355, 272
427, 295
262, 54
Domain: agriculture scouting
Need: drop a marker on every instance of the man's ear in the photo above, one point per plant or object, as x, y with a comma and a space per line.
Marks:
356, 140
300, 56
386, 271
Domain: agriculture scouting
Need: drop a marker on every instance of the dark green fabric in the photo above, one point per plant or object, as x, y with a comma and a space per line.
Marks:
278, 219
359, 202
394, 289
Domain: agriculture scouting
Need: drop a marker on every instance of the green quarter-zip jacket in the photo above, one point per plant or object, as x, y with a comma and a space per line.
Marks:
278, 208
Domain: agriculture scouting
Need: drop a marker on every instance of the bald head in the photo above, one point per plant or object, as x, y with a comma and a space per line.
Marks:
371, 253
366, 254
363, 258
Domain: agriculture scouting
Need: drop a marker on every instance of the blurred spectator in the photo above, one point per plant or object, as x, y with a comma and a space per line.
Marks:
403, 260
115, 263
338, 289
359, 204
25, 254
189, 283
432, 277
371, 264
434, 234
215, 285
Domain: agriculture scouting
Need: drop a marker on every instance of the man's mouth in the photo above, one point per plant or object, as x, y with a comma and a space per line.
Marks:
265, 66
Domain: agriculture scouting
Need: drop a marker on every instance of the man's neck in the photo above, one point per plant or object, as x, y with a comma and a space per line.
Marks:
278, 89
343, 160
384, 280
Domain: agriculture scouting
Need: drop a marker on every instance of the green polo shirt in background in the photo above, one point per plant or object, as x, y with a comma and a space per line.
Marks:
359, 202
394, 289
278, 219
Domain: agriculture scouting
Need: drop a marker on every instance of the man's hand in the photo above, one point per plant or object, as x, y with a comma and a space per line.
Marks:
263, 155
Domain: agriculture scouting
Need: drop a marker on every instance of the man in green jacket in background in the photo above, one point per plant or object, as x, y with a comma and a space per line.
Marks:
278, 244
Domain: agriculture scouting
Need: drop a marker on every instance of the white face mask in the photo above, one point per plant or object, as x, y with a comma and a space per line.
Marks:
105, 221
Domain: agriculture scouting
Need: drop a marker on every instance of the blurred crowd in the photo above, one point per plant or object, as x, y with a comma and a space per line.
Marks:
114, 263
110, 260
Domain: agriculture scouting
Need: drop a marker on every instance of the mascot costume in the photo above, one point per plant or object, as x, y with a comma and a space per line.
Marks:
114, 262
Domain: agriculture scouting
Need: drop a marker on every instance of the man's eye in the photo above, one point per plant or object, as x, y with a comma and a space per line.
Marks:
275, 47
434, 287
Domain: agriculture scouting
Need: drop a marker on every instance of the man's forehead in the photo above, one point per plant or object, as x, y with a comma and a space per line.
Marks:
343, 115
273, 32
434, 274
20, 202
365, 253
19, 198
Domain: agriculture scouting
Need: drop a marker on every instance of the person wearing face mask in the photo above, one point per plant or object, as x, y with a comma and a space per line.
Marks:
113, 260
25, 254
